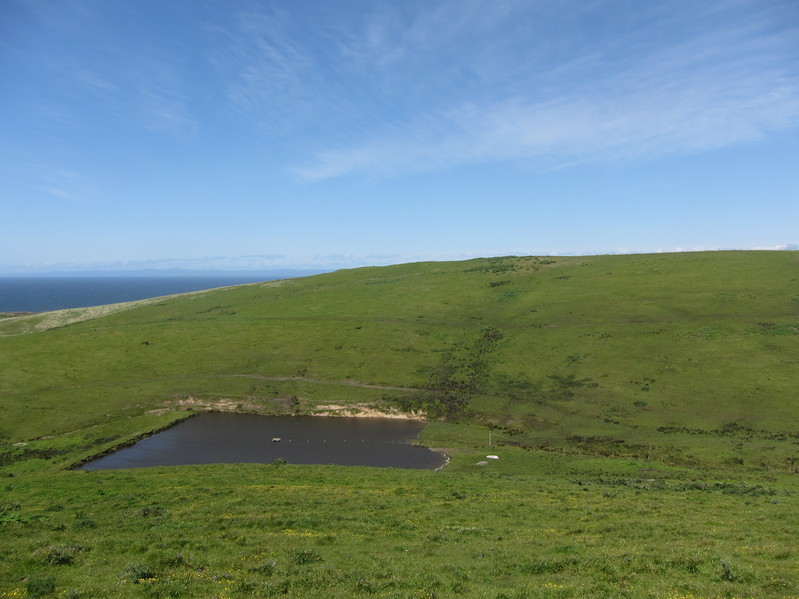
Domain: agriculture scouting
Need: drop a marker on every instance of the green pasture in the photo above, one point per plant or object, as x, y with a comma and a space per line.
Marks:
527, 525
644, 408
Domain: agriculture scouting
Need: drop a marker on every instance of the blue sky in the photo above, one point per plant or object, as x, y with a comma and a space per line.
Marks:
316, 134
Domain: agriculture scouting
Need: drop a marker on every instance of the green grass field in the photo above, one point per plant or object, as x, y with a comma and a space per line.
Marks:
644, 409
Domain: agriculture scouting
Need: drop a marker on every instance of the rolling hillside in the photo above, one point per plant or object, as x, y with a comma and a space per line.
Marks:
642, 409
686, 358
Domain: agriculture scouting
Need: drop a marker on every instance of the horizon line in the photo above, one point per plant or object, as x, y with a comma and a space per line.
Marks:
310, 269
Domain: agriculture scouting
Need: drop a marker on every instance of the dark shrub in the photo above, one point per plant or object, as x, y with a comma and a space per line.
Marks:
135, 572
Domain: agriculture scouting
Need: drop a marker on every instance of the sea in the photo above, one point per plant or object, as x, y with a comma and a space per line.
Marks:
45, 293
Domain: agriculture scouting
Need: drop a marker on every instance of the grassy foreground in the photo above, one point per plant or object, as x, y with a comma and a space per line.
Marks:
643, 409
563, 529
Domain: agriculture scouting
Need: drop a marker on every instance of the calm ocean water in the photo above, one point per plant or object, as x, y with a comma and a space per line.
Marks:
39, 294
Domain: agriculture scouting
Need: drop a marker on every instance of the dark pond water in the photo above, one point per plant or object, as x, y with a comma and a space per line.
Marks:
215, 438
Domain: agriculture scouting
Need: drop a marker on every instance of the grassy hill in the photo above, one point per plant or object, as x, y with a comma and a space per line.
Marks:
617, 391
685, 357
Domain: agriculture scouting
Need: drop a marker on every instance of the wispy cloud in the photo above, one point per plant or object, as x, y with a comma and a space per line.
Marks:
115, 72
791, 247
342, 74
160, 102
268, 73
64, 184
206, 263
392, 33
731, 85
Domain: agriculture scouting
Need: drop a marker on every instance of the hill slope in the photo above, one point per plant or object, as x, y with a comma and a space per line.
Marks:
689, 357
642, 409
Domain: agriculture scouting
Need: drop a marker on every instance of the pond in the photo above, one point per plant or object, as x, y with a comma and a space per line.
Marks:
217, 437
